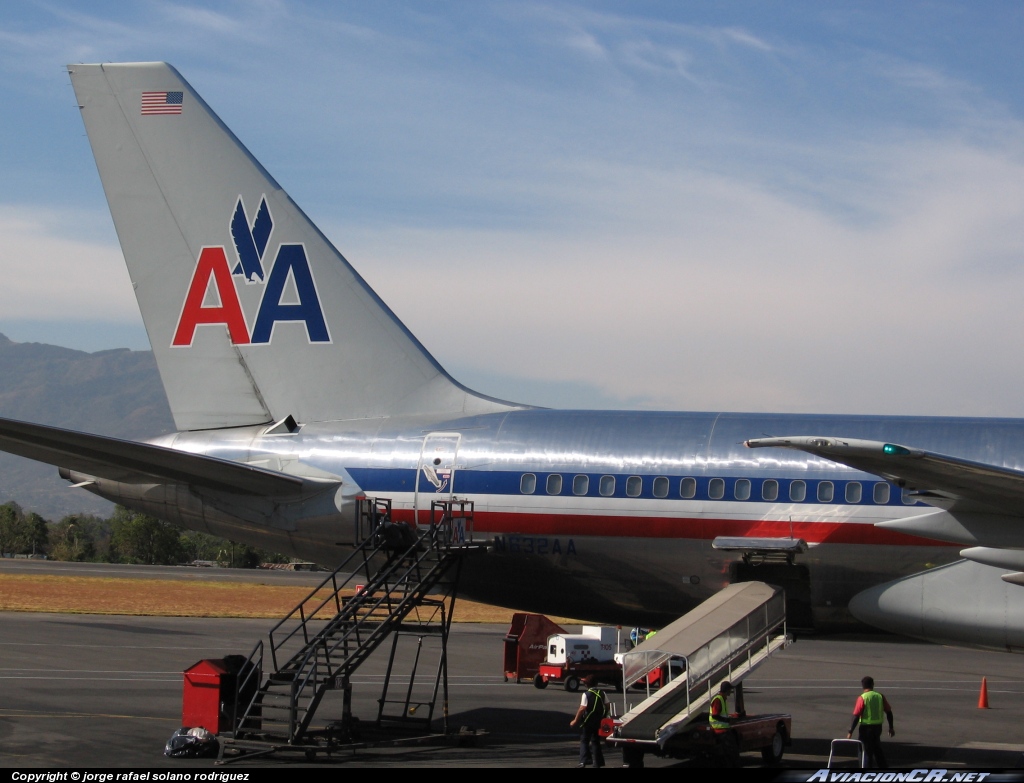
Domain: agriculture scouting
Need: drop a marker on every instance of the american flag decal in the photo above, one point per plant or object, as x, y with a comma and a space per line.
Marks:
162, 102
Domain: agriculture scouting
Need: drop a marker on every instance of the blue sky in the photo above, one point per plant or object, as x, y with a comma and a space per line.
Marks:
742, 206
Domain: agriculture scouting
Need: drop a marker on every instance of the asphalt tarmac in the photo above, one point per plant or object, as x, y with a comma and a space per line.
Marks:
24, 566
80, 691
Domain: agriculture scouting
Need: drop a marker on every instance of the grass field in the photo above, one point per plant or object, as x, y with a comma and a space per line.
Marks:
174, 598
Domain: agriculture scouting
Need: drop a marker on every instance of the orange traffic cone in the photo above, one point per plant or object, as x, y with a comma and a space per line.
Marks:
983, 696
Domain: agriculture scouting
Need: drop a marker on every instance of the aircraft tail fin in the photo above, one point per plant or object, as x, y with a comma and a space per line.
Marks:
252, 313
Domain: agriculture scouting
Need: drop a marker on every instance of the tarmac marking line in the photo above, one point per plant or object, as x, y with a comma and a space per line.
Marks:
176, 681
10, 714
990, 746
887, 688
88, 671
97, 646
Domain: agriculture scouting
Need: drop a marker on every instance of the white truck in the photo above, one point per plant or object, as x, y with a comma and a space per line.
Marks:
571, 657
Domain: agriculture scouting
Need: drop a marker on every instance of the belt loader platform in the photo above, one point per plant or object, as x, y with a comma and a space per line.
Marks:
725, 638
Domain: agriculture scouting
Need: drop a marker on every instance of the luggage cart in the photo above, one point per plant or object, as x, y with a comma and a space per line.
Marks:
848, 745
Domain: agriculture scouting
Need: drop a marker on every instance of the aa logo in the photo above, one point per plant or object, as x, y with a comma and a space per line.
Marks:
212, 297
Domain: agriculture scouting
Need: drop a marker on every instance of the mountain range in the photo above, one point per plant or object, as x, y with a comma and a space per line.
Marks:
116, 392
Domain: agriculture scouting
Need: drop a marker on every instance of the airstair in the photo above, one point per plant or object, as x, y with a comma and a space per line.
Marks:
399, 582
725, 638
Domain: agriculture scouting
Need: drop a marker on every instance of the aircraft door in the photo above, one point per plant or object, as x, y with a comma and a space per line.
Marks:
794, 578
435, 473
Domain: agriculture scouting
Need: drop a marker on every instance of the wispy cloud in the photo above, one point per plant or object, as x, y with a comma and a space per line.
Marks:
706, 292
653, 46
195, 18
685, 208
587, 43
746, 38
52, 276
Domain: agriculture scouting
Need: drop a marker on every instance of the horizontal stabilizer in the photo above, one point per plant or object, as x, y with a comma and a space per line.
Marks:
137, 463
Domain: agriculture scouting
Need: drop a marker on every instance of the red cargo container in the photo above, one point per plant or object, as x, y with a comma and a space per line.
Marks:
526, 644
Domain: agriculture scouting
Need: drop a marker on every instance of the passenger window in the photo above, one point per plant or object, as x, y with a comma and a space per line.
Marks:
607, 486
716, 489
770, 490
907, 499
853, 492
555, 484
661, 487
634, 486
797, 491
580, 485
687, 487
742, 489
881, 493
528, 484
826, 491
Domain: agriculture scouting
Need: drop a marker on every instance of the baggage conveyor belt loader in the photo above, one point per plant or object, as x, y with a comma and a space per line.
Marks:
725, 638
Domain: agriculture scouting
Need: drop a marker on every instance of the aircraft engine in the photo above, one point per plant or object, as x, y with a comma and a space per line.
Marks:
963, 603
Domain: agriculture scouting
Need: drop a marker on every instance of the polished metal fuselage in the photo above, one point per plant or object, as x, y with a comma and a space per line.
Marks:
602, 515
637, 552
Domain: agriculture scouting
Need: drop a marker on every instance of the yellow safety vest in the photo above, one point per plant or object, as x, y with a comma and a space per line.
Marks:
874, 708
595, 708
716, 720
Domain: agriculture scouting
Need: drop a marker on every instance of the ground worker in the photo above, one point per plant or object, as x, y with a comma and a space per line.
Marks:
719, 714
867, 712
593, 707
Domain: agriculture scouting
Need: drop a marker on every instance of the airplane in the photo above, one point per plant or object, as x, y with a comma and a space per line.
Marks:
295, 390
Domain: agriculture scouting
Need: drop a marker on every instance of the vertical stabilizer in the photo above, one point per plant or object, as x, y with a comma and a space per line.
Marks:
252, 314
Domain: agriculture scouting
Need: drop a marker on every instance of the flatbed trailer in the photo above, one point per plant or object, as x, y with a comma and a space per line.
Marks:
769, 734
571, 675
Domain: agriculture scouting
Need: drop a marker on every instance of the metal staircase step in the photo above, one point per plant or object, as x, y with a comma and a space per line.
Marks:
318, 662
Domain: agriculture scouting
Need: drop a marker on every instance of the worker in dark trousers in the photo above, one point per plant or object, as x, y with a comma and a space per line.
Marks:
593, 707
867, 713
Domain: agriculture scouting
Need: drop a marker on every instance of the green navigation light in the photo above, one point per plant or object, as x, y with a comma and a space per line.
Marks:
892, 448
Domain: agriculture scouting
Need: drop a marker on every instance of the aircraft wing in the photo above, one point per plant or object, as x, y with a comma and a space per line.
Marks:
139, 463
979, 505
915, 469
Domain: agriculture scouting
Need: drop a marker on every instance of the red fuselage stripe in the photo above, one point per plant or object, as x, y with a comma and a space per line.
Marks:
543, 524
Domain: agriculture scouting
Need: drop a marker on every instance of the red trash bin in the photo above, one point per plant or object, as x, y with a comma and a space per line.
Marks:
205, 693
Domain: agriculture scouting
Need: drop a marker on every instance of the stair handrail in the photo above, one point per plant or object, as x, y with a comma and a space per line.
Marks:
439, 537
364, 549
366, 646
253, 667
361, 601
358, 602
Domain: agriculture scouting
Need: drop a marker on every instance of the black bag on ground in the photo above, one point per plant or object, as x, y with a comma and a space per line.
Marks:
191, 743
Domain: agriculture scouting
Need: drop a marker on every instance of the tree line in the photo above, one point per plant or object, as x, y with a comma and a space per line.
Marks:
126, 537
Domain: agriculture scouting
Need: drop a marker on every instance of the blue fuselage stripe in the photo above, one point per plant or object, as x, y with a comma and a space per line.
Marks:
498, 482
